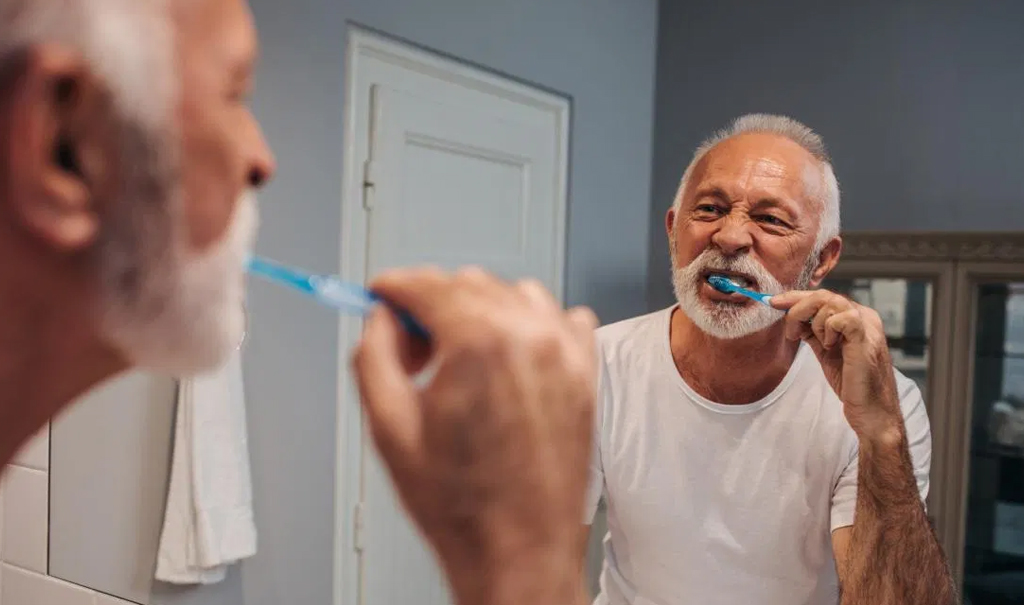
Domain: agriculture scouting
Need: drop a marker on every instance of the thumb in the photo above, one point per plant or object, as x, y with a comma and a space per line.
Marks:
386, 390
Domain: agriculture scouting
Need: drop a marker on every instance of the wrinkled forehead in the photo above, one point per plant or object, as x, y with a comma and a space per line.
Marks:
763, 163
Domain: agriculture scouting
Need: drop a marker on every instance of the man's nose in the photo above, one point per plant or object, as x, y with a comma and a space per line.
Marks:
263, 163
733, 237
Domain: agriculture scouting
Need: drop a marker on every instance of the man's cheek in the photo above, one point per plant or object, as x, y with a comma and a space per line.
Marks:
208, 209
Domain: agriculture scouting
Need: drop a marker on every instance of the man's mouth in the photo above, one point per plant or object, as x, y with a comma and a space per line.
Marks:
741, 279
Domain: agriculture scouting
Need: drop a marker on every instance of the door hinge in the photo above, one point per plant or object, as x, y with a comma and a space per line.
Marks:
369, 182
357, 527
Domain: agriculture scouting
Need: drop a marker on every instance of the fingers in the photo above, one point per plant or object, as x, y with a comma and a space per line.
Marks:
849, 325
583, 320
535, 292
386, 390
421, 292
786, 300
825, 316
436, 298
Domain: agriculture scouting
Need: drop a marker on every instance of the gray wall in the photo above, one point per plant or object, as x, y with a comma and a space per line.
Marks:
601, 52
919, 102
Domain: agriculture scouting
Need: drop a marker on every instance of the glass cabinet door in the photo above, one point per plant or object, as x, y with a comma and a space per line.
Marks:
993, 549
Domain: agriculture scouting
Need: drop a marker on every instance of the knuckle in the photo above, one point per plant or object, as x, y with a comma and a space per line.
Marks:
585, 317
530, 283
472, 274
871, 316
483, 343
822, 296
545, 343
532, 289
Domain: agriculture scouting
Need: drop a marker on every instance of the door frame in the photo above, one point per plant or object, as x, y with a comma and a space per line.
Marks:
362, 43
957, 262
969, 275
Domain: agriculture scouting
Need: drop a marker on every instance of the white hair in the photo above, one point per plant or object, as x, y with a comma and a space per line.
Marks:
799, 134
165, 306
128, 44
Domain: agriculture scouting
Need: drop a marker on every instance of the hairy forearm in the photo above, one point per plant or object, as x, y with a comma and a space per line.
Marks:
894, 557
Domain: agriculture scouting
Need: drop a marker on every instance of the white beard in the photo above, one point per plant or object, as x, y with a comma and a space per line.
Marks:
184, 313
728, 320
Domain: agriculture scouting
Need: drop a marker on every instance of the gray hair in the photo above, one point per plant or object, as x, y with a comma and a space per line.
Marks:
799, 134
127, 43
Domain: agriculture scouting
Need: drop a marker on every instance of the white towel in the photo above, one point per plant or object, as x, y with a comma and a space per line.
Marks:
208, 522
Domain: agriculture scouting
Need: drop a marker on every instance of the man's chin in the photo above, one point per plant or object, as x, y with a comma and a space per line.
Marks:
729, 321
183, 349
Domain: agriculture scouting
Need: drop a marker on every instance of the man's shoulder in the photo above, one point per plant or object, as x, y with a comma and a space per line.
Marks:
905, 386
632, 346
640, 328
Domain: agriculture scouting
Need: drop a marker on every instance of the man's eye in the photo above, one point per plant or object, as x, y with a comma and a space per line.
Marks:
772, 220
708, 209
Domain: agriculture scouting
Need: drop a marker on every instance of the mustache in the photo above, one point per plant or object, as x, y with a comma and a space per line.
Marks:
715, 260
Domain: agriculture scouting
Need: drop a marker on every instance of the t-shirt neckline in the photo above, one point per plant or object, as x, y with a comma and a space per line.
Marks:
723, 408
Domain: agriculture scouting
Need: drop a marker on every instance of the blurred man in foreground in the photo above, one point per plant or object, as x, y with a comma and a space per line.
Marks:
128, 163
128, 159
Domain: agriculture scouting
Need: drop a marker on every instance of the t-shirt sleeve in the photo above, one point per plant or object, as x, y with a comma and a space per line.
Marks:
844, 496
919, 432
919, 437
595, 486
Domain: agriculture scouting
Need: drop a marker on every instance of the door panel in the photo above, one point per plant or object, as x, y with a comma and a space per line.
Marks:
455, 185
455, 175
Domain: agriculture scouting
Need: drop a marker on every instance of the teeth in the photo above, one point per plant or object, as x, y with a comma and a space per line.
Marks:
739, 281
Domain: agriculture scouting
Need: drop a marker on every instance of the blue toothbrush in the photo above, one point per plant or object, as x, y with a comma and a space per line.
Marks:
329, 290
727, 286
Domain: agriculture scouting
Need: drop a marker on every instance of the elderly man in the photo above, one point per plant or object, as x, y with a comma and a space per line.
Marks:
126, 216
752, 456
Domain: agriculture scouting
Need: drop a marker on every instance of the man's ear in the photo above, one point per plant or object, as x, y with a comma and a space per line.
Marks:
60, 149
828, 258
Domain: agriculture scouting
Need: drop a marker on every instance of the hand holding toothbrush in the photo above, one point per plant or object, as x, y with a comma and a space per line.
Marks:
490, 458
849, 341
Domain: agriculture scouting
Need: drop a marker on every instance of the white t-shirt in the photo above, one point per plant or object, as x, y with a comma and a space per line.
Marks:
712, 504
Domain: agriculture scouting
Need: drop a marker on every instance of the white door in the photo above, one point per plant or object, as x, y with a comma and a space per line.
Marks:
458, 167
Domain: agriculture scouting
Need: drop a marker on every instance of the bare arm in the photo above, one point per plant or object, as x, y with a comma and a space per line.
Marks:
891, 555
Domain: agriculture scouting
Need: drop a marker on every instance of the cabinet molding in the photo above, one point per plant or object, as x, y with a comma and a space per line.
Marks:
934, 246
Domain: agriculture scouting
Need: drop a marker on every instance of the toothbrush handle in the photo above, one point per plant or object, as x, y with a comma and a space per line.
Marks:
410, 324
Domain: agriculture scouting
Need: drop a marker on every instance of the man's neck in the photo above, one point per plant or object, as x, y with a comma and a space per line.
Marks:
735, 371
49, 356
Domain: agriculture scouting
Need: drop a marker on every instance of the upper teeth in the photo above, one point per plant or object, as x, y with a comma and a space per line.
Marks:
739, 281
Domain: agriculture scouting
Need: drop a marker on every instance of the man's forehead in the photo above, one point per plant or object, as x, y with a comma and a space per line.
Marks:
769, 159
222, 27
763, 152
